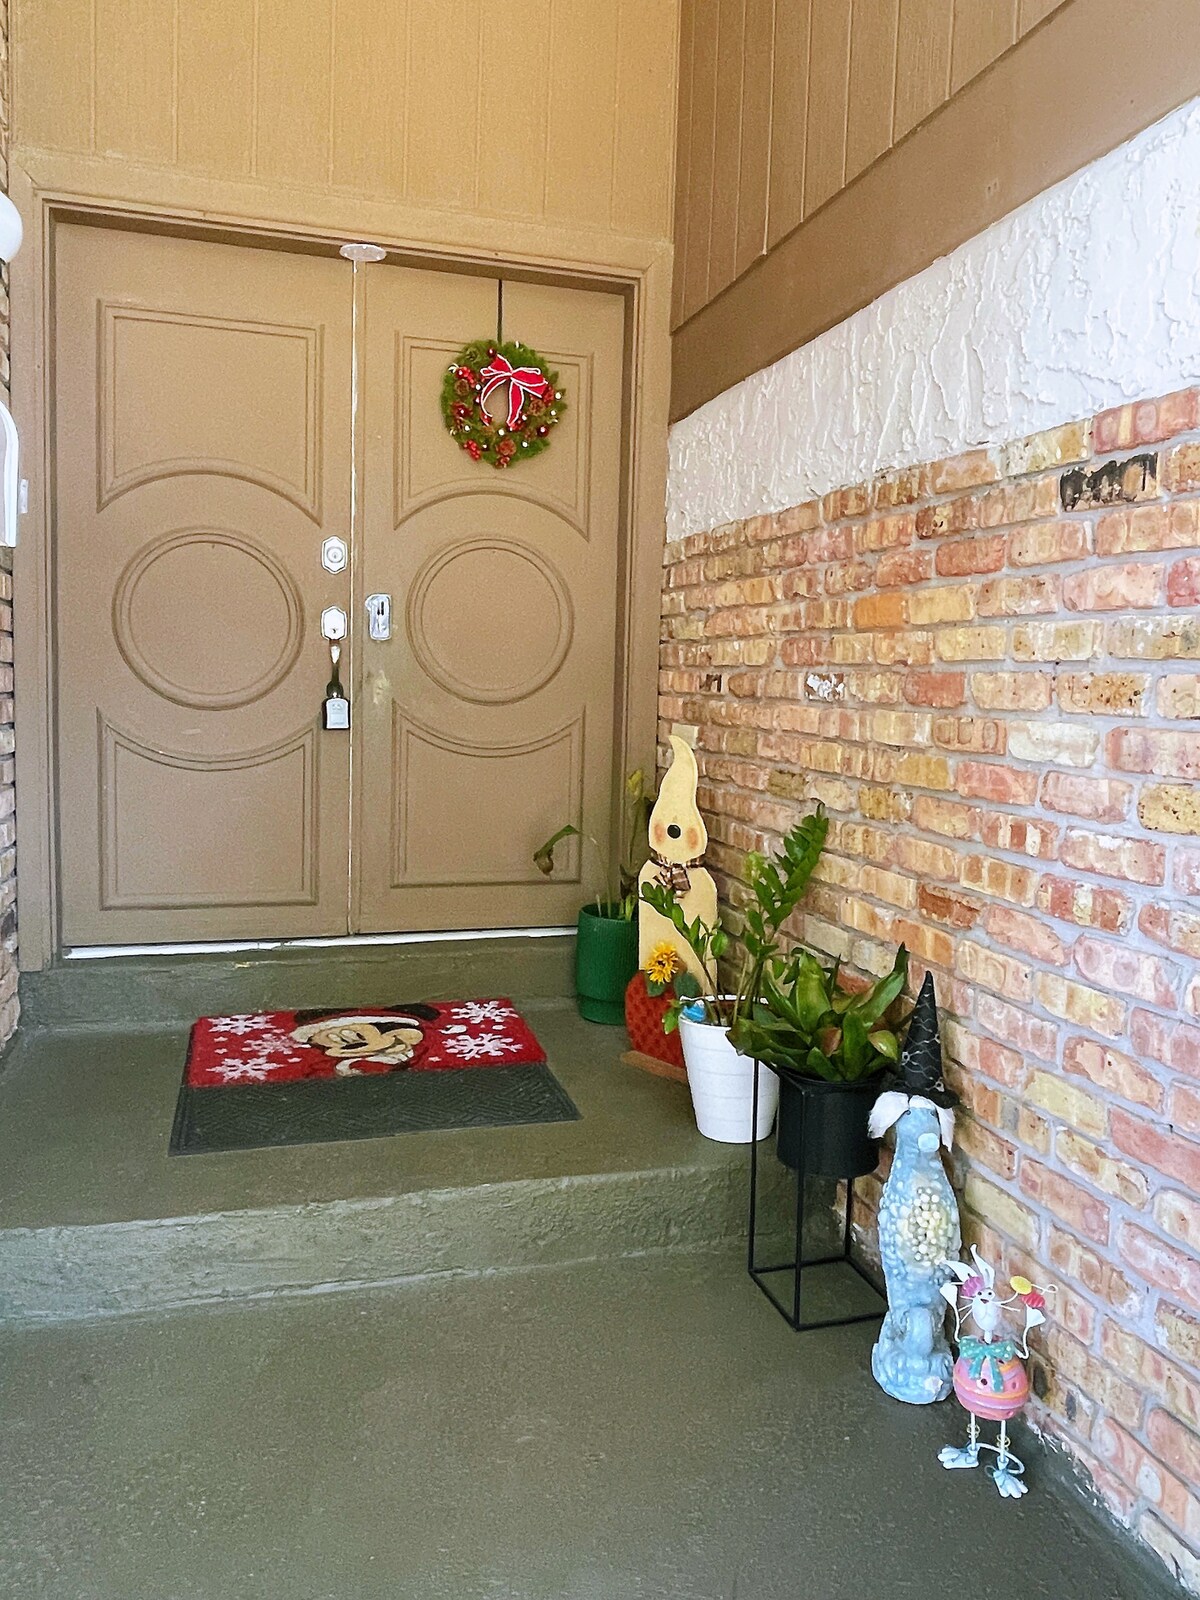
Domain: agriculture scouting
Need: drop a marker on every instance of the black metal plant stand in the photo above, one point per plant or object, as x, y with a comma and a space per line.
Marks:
798, 1265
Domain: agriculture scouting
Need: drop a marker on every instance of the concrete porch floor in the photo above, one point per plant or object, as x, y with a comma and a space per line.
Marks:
633, 1430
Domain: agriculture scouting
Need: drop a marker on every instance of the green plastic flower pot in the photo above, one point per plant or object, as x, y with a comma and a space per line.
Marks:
606, 957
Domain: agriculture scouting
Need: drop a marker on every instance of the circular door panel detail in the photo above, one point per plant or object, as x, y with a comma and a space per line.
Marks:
208, 618
490, 620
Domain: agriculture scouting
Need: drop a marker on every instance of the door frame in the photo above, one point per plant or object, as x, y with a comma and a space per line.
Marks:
52, 189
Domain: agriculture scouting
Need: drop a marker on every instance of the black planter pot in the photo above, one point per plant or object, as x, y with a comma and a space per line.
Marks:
822, 1127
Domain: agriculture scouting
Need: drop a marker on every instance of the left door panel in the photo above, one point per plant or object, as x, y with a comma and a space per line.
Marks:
202, 454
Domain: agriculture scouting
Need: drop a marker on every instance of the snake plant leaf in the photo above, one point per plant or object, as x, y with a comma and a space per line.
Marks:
543, 857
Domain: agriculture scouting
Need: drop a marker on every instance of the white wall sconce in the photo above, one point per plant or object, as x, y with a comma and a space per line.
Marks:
11, 229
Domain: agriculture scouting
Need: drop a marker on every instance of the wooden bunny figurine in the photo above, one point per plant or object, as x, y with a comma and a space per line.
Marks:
678, 840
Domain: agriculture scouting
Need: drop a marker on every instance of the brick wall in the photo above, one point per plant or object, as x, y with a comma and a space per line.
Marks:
8, 868
988, 668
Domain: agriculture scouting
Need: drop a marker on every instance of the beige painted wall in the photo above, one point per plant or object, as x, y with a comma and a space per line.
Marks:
560, 113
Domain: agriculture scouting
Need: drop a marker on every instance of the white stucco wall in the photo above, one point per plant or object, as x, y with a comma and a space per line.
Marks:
1086, 297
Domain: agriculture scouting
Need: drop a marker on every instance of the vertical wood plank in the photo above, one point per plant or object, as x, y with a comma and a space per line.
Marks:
443, 70
789, 116
582, 111
514, 86
216, 89
369, 98
647, 48
683, 155
727, 147
983, 31
757, 52
1032, 12
52, 110
704, 106
292, 126
135, 79
922, 60
873, 30
828, 100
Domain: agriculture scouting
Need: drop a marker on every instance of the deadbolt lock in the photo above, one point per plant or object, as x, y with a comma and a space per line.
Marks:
334, 554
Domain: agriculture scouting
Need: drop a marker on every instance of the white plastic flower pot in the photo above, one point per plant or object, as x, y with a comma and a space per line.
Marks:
722, 1084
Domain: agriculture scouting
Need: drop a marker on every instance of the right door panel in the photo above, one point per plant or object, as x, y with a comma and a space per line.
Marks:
486, 721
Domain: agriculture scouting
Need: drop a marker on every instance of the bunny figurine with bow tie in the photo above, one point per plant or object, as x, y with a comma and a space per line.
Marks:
990, 1380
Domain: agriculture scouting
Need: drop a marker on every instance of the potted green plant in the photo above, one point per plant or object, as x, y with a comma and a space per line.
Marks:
606, 948
720, 1072
828, 1042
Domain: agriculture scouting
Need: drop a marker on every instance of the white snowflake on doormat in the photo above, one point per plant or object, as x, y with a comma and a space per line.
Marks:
238, 1026
477, 1011
243, 1071
481, 1047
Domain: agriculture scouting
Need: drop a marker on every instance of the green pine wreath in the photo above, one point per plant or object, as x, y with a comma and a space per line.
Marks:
532, 407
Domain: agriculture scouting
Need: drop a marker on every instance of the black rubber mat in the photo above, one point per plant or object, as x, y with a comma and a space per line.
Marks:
320, 1111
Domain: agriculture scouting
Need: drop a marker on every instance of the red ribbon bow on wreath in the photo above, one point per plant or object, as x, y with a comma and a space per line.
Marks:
521, 381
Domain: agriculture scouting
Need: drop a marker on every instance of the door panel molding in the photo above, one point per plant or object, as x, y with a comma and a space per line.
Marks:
562, 624
114, 481
411, 739
575, 373
115, 742
125, 621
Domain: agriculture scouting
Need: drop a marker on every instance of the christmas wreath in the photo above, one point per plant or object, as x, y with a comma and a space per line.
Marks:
534, 401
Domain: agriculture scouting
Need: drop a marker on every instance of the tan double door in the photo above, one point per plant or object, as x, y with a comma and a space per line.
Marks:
212, 430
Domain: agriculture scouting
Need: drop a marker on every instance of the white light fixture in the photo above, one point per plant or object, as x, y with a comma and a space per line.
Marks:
11, 230
363, 252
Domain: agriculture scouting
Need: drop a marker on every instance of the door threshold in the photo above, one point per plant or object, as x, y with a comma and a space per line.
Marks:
105, 952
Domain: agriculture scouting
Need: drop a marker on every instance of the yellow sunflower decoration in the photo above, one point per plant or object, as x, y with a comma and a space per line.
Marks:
662, 964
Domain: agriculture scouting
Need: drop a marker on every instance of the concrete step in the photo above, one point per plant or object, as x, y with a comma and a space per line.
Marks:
96, 1218
161, 990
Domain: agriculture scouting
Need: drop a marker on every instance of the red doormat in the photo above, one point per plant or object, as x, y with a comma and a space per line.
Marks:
274, 1078
286, 1046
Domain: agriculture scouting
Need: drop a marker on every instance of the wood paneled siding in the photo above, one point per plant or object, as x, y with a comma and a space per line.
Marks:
564, 118
800, 96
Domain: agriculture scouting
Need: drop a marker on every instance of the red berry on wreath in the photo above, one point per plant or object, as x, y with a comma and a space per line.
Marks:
472, 449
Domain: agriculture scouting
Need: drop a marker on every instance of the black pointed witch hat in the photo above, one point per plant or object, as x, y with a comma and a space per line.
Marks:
920, 1069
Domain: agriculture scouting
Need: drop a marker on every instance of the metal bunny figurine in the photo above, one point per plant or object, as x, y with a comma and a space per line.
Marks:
989, 1376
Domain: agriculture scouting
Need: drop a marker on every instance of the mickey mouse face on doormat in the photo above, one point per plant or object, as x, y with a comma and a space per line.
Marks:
285, 1046
384, 1038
